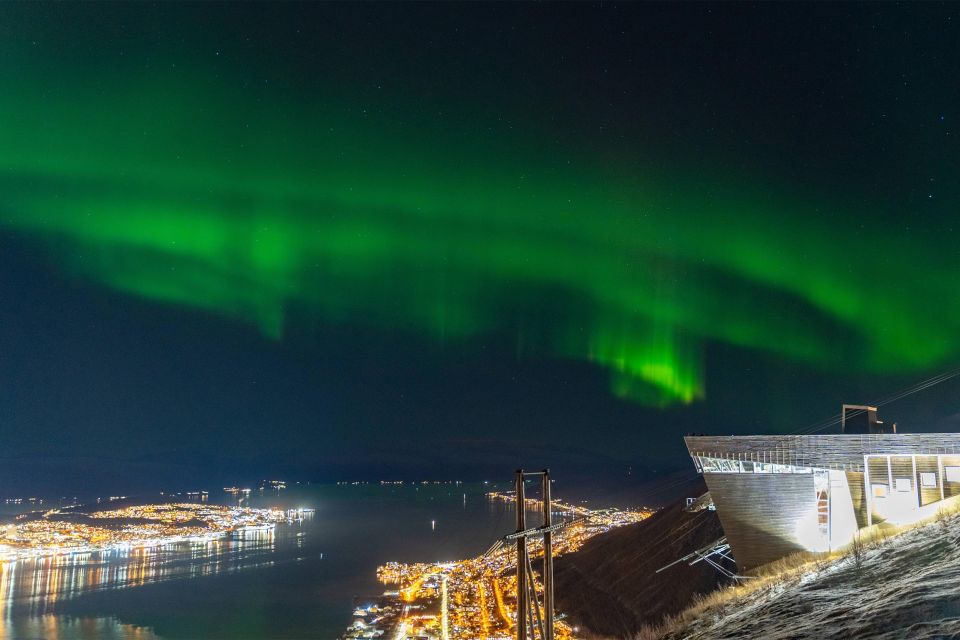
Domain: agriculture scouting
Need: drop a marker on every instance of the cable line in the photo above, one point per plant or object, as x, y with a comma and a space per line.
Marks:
915, 388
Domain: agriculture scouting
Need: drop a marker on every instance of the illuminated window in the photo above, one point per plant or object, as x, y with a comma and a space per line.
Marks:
952, 473
879, 491
823, 510
903, 484
928, 480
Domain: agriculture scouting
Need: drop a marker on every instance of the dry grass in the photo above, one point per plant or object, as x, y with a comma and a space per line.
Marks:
790, 569
763, 578
858, 552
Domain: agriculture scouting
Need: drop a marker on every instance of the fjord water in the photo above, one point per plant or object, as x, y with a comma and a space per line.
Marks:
298, 581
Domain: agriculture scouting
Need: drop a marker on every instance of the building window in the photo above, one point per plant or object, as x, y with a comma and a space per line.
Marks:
879, 491
709, 464
903, 484
952, 474
928, 480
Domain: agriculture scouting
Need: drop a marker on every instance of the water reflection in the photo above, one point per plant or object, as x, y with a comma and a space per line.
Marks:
51, 627
297, 582
31, 588
37, 584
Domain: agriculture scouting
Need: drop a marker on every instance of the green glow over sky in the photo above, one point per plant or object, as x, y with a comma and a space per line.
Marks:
277, 211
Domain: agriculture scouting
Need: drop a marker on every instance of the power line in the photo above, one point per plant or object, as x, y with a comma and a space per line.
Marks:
903, 393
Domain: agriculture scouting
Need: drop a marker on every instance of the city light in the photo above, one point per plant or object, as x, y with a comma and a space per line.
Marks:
60, 532
474, 598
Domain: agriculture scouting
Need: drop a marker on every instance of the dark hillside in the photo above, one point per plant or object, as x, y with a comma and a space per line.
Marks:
610, 586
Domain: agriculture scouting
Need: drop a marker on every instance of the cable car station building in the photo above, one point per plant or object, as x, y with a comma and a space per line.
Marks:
777, 495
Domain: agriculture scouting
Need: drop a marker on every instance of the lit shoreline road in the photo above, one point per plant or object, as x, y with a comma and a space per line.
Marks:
56, 533
475, 598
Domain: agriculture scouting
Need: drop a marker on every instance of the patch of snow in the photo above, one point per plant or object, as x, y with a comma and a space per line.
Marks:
906, 588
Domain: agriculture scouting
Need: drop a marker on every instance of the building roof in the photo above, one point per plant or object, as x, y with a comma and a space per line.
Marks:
825, 451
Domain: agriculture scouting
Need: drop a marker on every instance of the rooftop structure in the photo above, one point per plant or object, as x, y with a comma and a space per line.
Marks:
859, 418
777, 495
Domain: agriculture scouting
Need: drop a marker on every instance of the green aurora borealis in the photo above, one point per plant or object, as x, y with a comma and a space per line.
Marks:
184, 190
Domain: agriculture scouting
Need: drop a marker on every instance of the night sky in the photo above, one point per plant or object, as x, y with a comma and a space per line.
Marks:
441, 240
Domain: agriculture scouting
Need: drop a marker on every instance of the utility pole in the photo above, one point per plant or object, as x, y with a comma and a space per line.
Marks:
521, 560
529, 616
547, 558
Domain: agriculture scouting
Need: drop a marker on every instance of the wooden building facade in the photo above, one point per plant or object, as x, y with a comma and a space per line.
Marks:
776, 495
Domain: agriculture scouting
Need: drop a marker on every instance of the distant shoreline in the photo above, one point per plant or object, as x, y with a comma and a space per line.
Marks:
146, 544
130, 528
